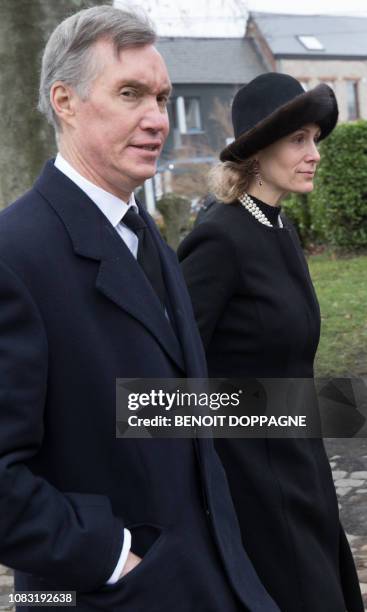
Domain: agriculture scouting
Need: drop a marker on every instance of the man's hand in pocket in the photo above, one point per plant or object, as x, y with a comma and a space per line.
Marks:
131, 562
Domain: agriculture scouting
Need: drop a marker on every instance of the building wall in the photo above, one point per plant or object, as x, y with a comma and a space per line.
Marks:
211, 138
336, 71
261, 46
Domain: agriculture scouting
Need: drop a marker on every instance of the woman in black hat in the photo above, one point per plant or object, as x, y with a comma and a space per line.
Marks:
259, 317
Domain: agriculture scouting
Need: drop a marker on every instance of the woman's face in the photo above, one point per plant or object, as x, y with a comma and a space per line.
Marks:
289, 165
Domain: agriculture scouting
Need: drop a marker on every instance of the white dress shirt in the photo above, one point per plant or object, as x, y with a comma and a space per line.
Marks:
114, 209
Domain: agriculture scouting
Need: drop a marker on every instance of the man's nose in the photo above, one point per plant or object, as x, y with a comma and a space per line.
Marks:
155, 118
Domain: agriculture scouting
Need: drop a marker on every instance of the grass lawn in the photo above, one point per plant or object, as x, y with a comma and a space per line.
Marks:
341, 286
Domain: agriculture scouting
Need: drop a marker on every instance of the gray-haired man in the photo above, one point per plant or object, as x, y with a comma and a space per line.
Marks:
131, 525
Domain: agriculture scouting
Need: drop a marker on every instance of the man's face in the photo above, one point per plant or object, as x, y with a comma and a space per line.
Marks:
118, 133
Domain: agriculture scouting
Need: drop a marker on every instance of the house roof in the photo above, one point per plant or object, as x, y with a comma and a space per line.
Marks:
341, 37
210, 60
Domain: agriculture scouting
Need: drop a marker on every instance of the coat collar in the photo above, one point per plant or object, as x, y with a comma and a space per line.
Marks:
119, 277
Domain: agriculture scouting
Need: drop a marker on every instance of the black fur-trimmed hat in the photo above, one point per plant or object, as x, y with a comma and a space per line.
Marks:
272, 106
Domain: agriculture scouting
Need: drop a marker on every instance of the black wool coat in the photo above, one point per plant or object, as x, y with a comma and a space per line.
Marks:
76, 313
258, 316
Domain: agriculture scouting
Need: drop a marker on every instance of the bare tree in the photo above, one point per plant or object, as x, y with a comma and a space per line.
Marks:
25, 138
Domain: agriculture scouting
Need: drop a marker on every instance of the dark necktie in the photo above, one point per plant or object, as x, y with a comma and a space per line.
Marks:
148, 256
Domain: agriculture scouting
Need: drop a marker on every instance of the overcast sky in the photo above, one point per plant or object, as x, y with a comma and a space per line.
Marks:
344, 7
228, 17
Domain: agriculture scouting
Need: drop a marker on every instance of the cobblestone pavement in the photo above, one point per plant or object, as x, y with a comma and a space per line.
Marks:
348, 460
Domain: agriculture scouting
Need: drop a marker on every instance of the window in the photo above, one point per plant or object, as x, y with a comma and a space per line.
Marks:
186, 115
352, 99
193, 119
311, 43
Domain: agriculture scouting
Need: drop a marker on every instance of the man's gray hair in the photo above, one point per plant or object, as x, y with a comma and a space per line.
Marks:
68, 55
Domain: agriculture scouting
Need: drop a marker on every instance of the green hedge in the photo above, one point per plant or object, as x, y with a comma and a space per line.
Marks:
297, 209
339, 200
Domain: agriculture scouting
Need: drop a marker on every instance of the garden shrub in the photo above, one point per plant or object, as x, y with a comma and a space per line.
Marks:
297, 209
338, 204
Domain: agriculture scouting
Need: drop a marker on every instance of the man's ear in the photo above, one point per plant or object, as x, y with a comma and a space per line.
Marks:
63, 99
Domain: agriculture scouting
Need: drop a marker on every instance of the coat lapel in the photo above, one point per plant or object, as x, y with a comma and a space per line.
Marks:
193, 352
120, 277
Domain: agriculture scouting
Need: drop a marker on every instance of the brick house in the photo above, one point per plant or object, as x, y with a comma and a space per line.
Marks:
315, 48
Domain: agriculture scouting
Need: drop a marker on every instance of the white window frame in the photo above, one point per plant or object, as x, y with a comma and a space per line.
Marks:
181, 115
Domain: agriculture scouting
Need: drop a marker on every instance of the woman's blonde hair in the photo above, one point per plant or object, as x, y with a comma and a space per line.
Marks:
229, 180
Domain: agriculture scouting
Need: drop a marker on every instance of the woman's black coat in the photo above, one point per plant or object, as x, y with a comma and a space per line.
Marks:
259, 317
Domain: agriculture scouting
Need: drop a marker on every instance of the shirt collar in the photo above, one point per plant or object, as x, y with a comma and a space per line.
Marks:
110, 205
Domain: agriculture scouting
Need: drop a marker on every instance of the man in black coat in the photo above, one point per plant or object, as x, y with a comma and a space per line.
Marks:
90, 293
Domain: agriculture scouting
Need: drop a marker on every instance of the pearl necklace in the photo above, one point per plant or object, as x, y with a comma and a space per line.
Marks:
255, 211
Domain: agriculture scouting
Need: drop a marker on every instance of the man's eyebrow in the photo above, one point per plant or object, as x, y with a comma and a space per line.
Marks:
143, 87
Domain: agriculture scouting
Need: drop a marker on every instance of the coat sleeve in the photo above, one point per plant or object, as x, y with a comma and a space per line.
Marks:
71, 539
210, 267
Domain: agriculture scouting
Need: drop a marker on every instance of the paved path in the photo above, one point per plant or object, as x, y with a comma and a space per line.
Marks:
348, 460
